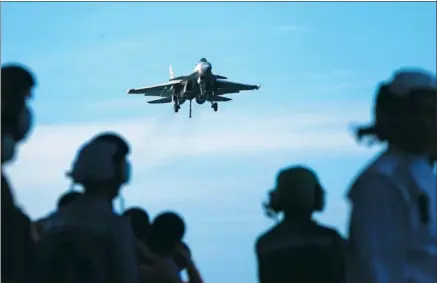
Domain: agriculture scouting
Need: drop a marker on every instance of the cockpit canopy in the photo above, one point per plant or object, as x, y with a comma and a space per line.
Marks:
203, 60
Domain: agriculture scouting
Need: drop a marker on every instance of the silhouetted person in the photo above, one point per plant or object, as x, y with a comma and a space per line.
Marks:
86, 241
67, 198
141, 227
184, 261
392, 230
140, 222
168, 230
63, 201
298, 249
17, 84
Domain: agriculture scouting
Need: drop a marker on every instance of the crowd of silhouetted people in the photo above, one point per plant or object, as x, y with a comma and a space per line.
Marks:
392, 224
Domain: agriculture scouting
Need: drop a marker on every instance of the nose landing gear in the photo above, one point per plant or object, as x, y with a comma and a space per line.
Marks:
202, 88
190, 107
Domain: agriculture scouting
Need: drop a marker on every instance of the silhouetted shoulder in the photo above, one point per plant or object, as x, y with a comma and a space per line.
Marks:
337, 240
329, 231
389, 166
300, 252
267, 237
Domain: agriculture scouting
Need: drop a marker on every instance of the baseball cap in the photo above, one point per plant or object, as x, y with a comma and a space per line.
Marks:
405, 81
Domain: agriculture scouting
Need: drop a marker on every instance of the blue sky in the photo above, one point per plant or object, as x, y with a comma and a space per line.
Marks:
318, 64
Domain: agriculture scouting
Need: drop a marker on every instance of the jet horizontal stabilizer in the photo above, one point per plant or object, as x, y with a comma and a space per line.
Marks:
161, 100
221, 99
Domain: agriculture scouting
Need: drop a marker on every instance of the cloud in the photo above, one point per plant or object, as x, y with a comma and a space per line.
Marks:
159, 139
47, 155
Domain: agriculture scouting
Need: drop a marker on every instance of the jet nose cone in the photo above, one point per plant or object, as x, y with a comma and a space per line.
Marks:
205, 68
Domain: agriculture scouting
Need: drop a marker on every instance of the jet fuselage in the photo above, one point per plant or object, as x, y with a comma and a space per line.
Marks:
203, 70
190, 91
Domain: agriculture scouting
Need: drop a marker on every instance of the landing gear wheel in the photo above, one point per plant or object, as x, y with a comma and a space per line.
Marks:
215, 106
176, 108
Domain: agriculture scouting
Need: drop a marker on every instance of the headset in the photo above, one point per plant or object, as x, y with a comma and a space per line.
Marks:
103, 159
313, 199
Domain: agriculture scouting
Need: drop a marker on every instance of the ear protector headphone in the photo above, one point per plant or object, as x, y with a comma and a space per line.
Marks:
318, 198
102, 159
272, 207
305, 197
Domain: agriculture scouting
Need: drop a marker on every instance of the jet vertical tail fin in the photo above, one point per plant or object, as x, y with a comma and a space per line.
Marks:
170, 69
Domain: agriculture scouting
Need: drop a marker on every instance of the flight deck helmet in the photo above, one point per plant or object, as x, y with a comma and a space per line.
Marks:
297, 190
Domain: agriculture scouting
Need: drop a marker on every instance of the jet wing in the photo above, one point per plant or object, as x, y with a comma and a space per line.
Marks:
161, 100
155, 90
184, 78
217, 98
232, 86
220, 77
224, 91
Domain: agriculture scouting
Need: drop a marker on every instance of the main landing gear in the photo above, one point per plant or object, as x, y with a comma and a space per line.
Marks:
176, 107
176, 103
214, 106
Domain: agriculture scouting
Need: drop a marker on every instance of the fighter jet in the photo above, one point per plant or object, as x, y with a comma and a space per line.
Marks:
201, 85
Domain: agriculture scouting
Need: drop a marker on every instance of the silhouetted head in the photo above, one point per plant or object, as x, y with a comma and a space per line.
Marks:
101, 165
168, 230
67, 198
405, 113
140, 223
297, 192
16, 117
